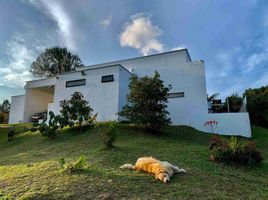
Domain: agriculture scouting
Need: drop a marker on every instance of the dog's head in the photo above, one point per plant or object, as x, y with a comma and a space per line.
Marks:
163, 176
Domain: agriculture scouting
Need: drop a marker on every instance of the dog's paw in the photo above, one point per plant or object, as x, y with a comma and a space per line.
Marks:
182, 171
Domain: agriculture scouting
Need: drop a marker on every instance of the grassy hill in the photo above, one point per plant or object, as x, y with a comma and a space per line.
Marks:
29, 167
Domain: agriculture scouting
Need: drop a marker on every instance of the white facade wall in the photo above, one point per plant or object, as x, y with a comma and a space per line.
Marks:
16, 109
175, 68
36, 100
237, 124
102, 97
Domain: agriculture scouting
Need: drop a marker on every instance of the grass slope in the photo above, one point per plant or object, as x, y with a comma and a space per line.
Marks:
29, 167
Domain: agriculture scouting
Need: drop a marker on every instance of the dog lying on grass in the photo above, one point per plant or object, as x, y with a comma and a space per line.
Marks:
162, 170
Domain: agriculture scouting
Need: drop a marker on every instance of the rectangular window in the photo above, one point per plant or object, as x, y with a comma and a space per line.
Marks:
75, 83
175, 95
108, 78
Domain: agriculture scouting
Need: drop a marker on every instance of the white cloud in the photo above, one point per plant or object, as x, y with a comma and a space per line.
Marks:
106, 22
141, 34
254, 60
21, 51
56, 12
180, 47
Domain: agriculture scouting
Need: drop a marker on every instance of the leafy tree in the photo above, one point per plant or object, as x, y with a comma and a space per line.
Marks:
235, 102
212, 97
147, 102
5, 106
257, 105
54, 61
2, 118
75, 109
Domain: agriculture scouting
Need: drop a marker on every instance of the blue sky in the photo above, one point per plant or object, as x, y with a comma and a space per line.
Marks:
231, 36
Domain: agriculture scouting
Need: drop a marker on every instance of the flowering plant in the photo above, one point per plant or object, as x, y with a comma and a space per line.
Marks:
211, 125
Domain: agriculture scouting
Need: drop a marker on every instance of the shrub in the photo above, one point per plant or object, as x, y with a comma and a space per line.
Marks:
109, 135
235, 102
51, 129
147, 103
234, 151
2, 117
75, 109
257, 105
80, 164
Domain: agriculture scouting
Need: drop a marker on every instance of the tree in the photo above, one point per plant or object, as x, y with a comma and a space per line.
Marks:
75, 109
235, 102
257, 105
5, 106
54, 61
147, 103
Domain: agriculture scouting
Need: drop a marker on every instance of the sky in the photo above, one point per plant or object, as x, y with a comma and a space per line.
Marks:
230, 36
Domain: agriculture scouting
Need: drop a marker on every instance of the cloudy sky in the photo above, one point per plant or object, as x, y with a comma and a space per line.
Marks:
231, 36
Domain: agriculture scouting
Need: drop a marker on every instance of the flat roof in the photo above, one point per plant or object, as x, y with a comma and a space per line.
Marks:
139, 57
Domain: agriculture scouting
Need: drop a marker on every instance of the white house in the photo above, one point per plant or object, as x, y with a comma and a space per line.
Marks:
105, 86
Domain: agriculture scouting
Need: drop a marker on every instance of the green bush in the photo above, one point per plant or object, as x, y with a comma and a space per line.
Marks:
232, 150
109, 135
235, 103
257, 105
75, 110
51, 129
147, 103
2, 118
80, 164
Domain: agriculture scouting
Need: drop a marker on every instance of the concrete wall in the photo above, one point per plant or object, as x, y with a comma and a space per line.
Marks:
185, 76
228, 123
36, 100
102, 97
16, 109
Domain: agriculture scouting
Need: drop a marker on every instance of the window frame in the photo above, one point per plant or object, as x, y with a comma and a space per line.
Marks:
174, 95
107, 76
72, 81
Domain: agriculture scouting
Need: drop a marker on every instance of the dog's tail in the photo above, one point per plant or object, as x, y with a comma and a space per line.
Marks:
127, 166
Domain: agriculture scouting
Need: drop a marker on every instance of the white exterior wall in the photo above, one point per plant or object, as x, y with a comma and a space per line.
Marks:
102, 97
228, 123
123, 88
175, 68
16, 109
36, 100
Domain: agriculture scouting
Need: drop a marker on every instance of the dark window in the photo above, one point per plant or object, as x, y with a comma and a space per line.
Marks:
175, 95
108, 78
75, 83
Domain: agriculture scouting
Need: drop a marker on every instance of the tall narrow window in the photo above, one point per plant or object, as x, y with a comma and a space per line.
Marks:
108, 78
75, 83
175, 95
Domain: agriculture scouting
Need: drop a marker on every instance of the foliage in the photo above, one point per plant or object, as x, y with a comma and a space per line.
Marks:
2, 117
80, 164
75, 109
235, 103
257, 105
54, 61
4, 197
109, 135
147, 103
5, 106
51, 129
234, 151
211, 125
212, 97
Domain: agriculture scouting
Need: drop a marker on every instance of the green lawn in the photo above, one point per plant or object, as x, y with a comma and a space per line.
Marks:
29, 167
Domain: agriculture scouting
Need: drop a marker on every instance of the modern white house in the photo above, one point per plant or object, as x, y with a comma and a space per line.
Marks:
105, 86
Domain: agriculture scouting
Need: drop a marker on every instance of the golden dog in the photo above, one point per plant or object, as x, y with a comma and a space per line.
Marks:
162, 170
